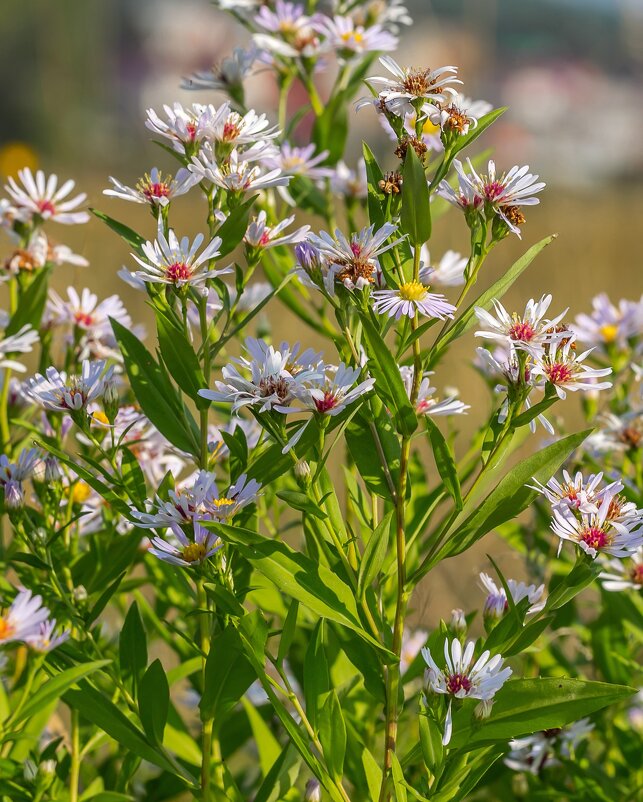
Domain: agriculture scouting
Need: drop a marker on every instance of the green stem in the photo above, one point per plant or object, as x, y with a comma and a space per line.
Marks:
74, 771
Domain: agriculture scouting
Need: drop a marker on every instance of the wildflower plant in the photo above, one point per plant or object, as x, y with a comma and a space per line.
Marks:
215, 540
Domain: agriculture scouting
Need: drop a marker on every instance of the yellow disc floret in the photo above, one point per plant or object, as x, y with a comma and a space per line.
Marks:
194, 553
413, 291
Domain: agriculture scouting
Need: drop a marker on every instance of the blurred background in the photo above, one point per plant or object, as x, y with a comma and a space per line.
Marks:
78, 77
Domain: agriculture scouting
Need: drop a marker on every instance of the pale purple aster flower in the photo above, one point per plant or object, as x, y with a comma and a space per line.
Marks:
565, 370
530, 331
496, 603
260, 235
186, 552
349, 39
409, 299
23, 618
58, 392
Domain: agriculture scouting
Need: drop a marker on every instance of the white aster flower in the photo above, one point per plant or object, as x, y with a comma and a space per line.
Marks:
58, 392
186, 551
576, 493
261, 235
624, 574
329, 394
617, 433
236, 174
154, 188
168, 261
452, 119
228, 76
290, 33
22, 342
228, 128
186, 128
565, 370
351, 184
530, 331
293, 160
412, 298
533, 753
496, 603
601, 532
410, 86
449, 271
426, 404
270, 378
353, 263
40, 197
350, 39
39, 252
23, 619
86, 313
459, 679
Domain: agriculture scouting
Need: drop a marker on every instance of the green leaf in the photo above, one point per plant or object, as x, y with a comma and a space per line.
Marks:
55, 687
133, 478
155, 393
511, 495
445, 462
430, 742
153, 702
31, 303
311, 583
332, 735
468, 318
373, 773
180, 359
233, 229
374, 175
132, 646
384, 368
300, 501
399, 783
365, 445
228, 675
316, 675
100, 711
415, 216
528, 705
134, 240
281, 778
374, 554
267, 745
483, 123
288, 632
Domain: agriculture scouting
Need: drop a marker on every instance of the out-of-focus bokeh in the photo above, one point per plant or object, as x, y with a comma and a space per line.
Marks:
78, 76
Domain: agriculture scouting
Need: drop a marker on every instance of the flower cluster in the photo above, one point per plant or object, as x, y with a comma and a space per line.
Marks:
27, 620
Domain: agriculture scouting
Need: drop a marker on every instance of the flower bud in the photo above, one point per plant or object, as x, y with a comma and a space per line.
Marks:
483, 710
111, 400
52, 470
302, 474
80, 593
14, 496
313, 791
458, 621
47, 767
30, 771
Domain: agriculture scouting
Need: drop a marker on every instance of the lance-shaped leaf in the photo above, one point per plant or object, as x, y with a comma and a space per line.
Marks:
524, 706
374, 554
374, 175
131, 237
309, 582
154, 702
180, 359
332, 735
31, 304
445, 462
415, 216
234, 227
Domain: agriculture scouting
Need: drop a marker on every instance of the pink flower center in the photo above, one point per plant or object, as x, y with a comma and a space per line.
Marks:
595, 538
178, 271
559, 372
46, 207
522, 331
636, 574
356, 248
265, 238
158, 190
328, 402
191, 129
230, 132
493, 190
83, 319
458, 682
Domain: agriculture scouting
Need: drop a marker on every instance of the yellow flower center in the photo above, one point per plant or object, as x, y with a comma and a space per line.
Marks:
219, 503
100, 417
80, 492
412, 291
609, 332
355, 36
6, 629
193, 553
